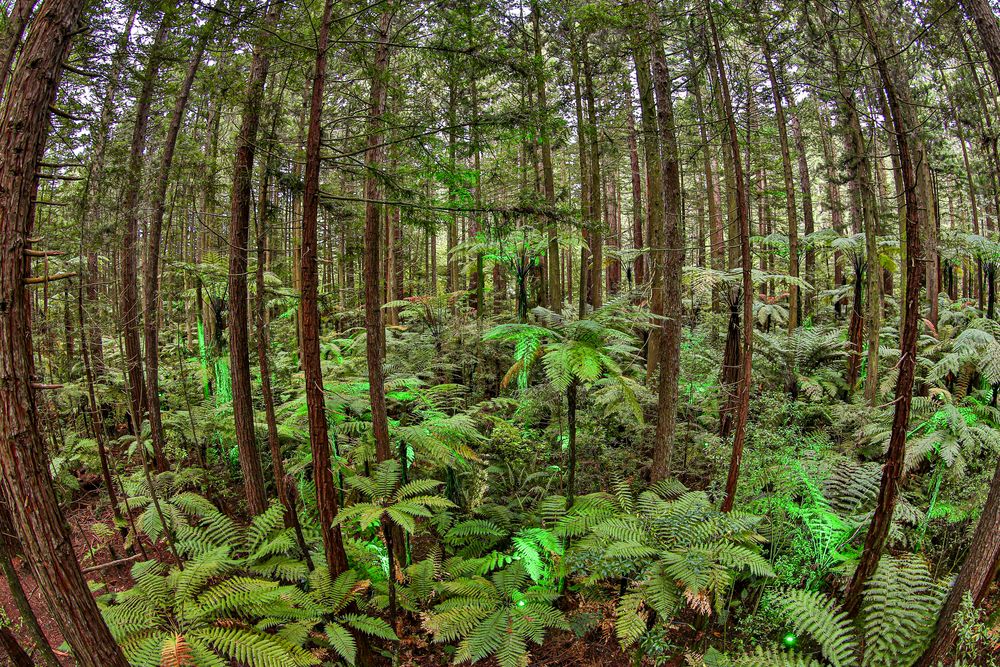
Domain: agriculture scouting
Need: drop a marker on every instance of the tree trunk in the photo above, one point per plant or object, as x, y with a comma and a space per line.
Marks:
151, 269
808, 223
24, 466
10, 37
239, 234
654, 187
717, 241
974, 578
791, 214
979, 567
596, 281
95, 177
9, 547
639, 274
555, 297
671, 258
130, 319
319, 438
878, 530
743, 213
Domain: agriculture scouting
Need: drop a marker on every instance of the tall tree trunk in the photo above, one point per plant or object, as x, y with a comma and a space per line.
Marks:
808, 223
151, 268
319, 438
878, 530
130, 319
95, 177
639, 274
555, 297
671, 258
979, 567
24, 466
596, 281
791, 214
743, 213
974, 578
717, 241
10, 38
654, 187
9, 547
239, 235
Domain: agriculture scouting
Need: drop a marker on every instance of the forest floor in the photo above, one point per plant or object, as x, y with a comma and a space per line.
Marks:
82, 517
598, 648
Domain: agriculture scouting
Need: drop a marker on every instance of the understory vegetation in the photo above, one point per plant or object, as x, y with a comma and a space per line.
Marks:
546, 332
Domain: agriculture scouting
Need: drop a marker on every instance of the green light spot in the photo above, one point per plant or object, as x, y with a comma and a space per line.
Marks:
790, 640
521, 603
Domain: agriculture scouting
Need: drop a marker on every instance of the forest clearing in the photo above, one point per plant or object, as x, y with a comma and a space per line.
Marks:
499, 332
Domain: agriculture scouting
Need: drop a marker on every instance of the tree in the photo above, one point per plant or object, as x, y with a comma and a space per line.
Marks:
743, 214
151, 268
319, 439
892, 470
130, 274
24, 467
239, 236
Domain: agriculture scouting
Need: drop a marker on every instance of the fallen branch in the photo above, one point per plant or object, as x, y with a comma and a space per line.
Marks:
104, 566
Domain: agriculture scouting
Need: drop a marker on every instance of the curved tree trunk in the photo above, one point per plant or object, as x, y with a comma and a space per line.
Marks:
878, 530
239, 234
24, 466
151, 268
743, 215
130, 274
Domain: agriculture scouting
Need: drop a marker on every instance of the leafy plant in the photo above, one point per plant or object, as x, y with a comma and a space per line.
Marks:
497, 616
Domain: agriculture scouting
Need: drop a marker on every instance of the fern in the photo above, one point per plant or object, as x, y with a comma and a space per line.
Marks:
499, 616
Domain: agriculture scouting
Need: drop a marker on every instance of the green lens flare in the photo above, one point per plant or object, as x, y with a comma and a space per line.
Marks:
790, 640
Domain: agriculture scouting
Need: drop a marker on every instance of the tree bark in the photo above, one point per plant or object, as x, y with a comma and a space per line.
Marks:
979, 567
671, 258
791, 214
878, 530
151, 268
655, 204
743, 215
10, 37
24, 466
555, 297
239, 235
129, 296
319, 438
974, 578
808, 223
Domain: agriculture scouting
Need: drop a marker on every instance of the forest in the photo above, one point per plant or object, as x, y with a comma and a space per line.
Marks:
499, 332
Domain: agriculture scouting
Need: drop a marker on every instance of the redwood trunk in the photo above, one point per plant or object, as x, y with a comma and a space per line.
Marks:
878, 530
130, 274
151, 269
319, 438
239, 234
743, 215
24, 466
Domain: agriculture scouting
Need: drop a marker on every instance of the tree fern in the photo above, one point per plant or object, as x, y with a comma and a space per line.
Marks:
499, 616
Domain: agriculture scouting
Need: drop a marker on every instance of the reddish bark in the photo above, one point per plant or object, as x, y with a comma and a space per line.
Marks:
319, 438
239, 234
129, 273
151, 269
743, 216
892, 471
24, 466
